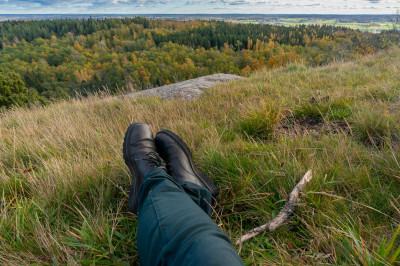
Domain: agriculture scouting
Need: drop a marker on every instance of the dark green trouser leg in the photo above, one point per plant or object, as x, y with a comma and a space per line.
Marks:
174, 230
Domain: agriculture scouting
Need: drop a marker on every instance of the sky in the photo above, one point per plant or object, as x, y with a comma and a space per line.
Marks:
199, 6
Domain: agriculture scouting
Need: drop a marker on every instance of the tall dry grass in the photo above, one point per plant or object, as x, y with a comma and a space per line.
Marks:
64, 184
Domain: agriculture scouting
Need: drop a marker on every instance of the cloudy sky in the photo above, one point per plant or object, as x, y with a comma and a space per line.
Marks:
200, 6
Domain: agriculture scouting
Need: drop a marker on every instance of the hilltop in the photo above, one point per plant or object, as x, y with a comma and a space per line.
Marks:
188, 89
65, 186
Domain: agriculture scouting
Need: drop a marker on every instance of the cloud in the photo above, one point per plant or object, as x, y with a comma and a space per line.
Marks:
199, 6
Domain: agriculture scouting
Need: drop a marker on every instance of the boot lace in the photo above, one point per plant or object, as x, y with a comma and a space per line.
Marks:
155, 160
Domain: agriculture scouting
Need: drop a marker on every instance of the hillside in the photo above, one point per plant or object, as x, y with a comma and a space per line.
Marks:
65, 186
58, 59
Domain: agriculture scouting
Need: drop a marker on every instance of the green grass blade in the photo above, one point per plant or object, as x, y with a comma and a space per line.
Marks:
391, 243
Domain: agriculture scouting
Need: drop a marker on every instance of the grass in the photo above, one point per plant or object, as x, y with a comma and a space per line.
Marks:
324, 109
259, 122
374, 125
64, 185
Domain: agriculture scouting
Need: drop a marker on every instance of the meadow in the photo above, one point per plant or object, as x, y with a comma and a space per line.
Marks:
376, 26
64, 185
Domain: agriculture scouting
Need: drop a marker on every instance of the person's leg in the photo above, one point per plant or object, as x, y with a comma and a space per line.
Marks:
174, 230
201, 196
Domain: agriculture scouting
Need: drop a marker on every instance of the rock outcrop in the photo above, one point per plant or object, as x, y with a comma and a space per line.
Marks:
188, 90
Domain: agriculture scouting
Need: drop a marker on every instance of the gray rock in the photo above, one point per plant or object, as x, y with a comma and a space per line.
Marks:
188, 90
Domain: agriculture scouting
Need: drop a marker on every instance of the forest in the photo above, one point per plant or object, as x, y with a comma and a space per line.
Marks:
42, 61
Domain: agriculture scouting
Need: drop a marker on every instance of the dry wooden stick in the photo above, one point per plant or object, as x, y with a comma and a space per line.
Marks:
287, 211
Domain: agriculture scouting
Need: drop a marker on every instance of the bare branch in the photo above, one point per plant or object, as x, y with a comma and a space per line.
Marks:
286, 212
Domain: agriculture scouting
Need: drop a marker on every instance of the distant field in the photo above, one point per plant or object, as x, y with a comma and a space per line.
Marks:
371, 26
364, 26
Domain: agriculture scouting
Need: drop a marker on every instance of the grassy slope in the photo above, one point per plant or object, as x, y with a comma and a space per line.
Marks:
72, 206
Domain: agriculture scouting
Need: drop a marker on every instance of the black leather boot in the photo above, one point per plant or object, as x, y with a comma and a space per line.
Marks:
179, 160
141, 156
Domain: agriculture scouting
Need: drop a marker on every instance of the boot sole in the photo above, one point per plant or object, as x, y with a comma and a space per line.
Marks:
202, 177
131, 167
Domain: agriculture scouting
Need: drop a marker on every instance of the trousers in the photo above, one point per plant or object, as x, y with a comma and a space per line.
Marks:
175, 225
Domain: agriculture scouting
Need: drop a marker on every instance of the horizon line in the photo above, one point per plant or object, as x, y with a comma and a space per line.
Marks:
199, 14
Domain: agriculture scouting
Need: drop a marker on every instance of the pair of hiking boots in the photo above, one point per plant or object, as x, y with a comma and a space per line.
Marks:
143, 153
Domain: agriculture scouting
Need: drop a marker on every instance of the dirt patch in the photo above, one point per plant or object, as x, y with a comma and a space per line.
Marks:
303, 127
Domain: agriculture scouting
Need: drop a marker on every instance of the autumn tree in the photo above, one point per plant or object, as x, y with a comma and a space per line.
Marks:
12, 90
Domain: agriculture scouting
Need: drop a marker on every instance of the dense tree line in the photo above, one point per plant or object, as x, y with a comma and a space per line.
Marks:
219, 33
12, 31
59, 58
